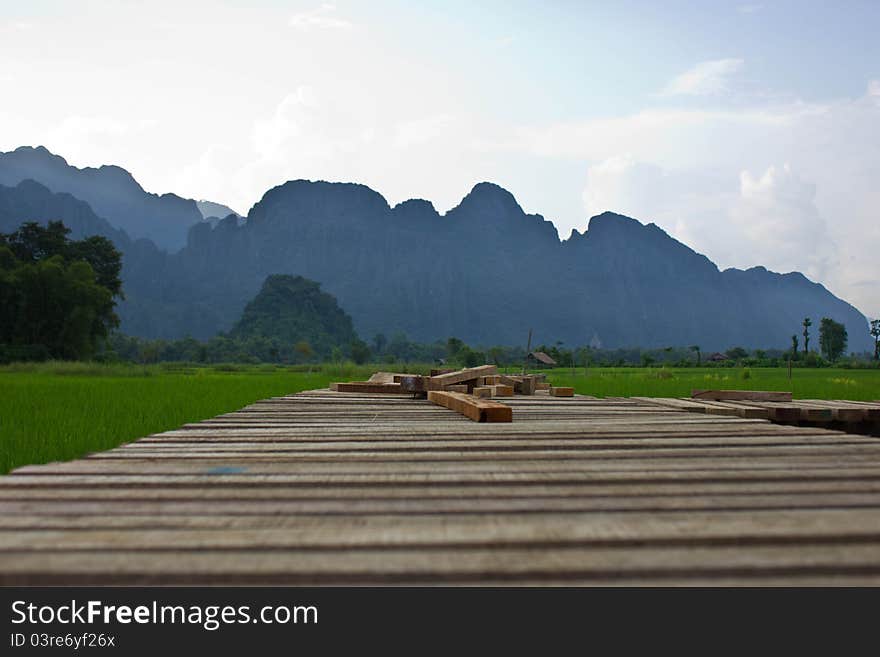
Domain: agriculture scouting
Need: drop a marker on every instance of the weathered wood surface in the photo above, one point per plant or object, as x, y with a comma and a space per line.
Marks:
810, 411
440, 381
368, 387
350, 488
742, 395
473, 407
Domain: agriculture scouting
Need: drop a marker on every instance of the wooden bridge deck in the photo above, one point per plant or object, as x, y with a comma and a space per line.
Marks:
336, 488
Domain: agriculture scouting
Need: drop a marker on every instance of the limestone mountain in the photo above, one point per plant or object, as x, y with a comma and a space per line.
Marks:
291, 309
211, 210
487, 272
484, 271
112, 193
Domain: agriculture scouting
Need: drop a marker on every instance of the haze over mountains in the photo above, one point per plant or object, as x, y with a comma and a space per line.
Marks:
112, 193
485, 271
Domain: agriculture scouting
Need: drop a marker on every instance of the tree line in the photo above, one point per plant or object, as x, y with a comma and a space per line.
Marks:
59, 296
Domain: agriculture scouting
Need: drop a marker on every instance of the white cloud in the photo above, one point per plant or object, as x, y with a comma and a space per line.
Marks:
16, 26
783, 229
101, 135
738, 220
706, 78
423, 130
322, 17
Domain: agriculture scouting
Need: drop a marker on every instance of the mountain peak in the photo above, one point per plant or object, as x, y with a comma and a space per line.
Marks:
111, 191
611, 221
489, 201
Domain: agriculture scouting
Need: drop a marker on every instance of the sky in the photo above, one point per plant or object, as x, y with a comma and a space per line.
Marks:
748, 130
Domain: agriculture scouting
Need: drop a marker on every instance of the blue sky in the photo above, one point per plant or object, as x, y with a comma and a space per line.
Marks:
749, 130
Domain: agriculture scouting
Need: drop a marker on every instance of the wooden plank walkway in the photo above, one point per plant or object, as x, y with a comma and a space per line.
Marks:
852, 416
346, 488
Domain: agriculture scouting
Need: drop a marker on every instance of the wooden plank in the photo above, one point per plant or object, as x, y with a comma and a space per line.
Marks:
366, 387
741, 395
479, 410
528, 385
383, 377
561, 391
412, 566
457, 388
846, 411
501, 391
541, 385
736, 410
468, 374
677, 404
372, 532
482, 391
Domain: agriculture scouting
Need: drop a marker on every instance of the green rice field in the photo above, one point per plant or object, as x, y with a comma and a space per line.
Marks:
61, 411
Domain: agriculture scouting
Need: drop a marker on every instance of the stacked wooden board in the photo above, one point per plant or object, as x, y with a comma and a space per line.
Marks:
350, 488
855, 416
464, 391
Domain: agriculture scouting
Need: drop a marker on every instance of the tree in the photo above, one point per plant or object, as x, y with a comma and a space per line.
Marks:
468, 357
875, 333
807, 324
696, 348
360, 351
105, 260
56, 293
496, 355
794, 347
453, 346
832, 338
290, 309
737, 353
379, 342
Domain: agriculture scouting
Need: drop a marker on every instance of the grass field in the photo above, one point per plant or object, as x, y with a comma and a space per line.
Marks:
825, 383
55, 412
60, 411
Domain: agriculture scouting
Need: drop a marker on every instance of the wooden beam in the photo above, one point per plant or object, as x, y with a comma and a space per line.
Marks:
368, 388
501, 391
562, 391
527, 387
742, 395
383, 377
478, 410
482, 391
460, 376
457, 387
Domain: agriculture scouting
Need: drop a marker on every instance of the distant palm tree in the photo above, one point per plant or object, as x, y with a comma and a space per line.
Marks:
875, 333
696, 348
807, 324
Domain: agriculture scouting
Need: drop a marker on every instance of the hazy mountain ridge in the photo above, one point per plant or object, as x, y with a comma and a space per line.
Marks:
212, 210
111, 191
485, 271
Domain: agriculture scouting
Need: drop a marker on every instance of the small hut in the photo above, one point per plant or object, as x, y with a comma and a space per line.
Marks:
539, 359
718, 357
